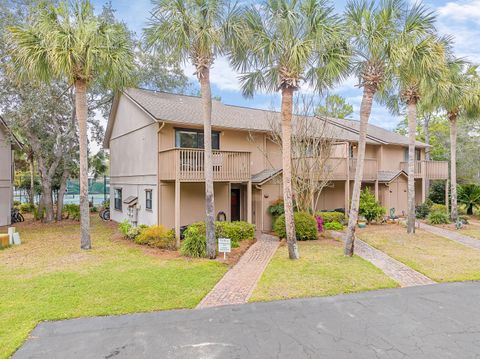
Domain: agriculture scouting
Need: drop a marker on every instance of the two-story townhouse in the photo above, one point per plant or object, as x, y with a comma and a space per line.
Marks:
8, 143
156, 162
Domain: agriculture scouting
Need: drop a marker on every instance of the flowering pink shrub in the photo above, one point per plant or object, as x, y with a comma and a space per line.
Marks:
319, 224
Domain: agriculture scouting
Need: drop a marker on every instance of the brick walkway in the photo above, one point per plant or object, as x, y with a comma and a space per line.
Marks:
452, 235
399, 272
238, 283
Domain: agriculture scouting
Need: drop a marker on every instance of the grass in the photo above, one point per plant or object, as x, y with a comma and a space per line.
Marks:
438, 258
471, 230
322, 270
50, 278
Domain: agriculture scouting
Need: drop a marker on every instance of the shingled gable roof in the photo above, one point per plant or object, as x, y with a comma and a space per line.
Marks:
185, 110
16, 144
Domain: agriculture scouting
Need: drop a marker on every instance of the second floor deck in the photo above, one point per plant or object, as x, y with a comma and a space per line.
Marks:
186, 164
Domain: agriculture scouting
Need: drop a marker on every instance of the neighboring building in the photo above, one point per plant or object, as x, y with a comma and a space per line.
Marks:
8, 143
156, 162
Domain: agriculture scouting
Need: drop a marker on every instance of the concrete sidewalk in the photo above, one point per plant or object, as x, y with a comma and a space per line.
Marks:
432, 321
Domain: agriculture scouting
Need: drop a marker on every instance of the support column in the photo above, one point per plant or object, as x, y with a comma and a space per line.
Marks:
177, 212
347, 197
249, 202
447, 202
424, 189
376, 190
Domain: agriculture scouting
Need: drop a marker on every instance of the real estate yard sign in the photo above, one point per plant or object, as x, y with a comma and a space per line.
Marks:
225, 246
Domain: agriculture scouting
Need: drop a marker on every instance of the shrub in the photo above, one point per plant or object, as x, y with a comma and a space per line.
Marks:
157, 236
320, 224
438, 217
277, 209
124, 227
72, 211
440, 208
305, 226
329, 217
133, 232
26, 207
334, 226
237, 231
93, 209
437, 192
369, 207
195, 242
422, 210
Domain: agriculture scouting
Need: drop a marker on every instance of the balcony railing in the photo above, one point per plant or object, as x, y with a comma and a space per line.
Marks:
336, 168
188, 164
333, 168
428, 169
370, 169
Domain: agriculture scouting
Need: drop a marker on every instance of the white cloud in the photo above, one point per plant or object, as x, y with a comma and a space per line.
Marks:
461, 10
221, 74
462, 20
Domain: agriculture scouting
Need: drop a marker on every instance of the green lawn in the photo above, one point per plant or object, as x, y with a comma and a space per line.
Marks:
49, 277
440, 259
471, 230
322, 270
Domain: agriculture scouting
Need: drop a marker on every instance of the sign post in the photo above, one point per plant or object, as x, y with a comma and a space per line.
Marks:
225, 246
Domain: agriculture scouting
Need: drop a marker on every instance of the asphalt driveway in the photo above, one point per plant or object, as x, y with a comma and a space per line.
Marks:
434, 321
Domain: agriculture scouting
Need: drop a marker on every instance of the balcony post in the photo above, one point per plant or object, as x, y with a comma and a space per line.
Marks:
376, 190
249, 202
447, 185
177, 212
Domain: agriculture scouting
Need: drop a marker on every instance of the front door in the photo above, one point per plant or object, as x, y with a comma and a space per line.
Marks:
235, 204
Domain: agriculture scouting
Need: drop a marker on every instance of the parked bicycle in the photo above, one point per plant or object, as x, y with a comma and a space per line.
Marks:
105, 214
16, 216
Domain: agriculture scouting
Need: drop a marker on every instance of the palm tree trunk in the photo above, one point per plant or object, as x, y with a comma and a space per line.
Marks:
453, 167
426, 132
365, 110
81, 112
207, 138
287, 109
412, 126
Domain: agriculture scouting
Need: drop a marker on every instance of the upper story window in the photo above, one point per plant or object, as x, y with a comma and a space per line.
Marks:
118, 199
148, 199
190, 138
418, 155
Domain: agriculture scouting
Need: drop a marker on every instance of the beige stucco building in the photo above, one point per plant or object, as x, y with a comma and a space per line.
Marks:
156, 162
8, 143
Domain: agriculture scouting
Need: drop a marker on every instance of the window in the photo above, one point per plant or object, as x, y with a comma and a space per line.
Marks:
118, 199
148, 199
418, 155
187, 138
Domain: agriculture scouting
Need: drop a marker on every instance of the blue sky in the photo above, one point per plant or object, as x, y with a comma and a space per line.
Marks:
458, 18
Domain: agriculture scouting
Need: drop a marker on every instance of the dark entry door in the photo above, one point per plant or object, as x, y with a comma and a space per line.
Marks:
235, 204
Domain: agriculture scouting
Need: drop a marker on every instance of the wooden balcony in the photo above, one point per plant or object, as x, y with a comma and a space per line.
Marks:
336, 168
433, 170
370, 169
187, 164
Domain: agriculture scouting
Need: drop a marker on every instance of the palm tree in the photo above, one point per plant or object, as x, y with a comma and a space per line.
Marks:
194, 30
469, 196
372, 29
68, 41
419, 59
458, 93
276, 46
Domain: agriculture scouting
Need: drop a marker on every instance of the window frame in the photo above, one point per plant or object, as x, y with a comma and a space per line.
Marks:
147, 192
197, 132
115, 191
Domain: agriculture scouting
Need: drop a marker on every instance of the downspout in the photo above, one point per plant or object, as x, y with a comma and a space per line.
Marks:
160, 127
